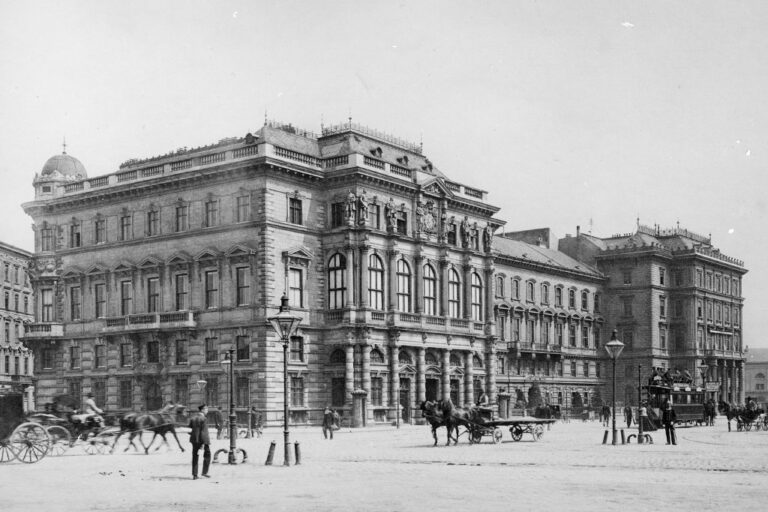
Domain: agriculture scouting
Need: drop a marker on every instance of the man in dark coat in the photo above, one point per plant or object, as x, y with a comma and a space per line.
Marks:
328, 422
668, 417
198, 436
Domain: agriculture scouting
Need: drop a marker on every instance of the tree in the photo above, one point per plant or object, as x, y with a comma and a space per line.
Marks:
534, 396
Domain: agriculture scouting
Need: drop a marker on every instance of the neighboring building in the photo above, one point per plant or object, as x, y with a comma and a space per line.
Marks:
756, 375
676, 304
146, 277
16, 361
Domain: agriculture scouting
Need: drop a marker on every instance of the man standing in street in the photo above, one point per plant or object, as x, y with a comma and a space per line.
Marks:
628, 415
668, 417
198, 436
328, 422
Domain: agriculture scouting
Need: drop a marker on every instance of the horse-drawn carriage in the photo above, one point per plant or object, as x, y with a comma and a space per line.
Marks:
483, 423
21, 440
66, 428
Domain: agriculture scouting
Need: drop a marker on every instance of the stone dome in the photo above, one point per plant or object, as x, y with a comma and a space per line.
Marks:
64, 165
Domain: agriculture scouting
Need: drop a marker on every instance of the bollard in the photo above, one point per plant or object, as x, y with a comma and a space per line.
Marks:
271, 454
605, 437
622, 437
297, 449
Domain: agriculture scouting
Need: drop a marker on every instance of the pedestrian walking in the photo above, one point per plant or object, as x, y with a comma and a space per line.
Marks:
198, 436
668, 417
628, 415
328, 422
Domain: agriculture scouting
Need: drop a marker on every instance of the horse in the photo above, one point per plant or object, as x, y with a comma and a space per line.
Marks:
159, 423
438, 414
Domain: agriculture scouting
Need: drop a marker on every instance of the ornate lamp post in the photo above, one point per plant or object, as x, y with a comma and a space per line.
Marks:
639, 404
614, 348
232, 416
285, 326
703, 369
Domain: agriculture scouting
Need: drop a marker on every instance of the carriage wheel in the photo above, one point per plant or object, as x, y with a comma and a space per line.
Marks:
95, 444
538, 431
476, 435
30, 442
497, 435
242, 433
517, 432
60, 439
6, 452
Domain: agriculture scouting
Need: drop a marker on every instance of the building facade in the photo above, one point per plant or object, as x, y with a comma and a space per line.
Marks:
16, 360
146, 277
756, 375
676, 303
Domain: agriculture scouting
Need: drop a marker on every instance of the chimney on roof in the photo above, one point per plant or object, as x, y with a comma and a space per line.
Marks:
578, 230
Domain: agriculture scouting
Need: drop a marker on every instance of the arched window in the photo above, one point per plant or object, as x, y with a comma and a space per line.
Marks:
572, 299
337, 267
377, 357
558, 296
529, 291
584, 299
403, 286
404, 357
499, 286
431, 359
516, 289
375, 282
454, 294
430, 290
477, 298
338, 357
545, 293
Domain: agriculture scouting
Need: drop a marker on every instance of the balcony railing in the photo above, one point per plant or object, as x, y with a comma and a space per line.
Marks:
144, 321
43, 330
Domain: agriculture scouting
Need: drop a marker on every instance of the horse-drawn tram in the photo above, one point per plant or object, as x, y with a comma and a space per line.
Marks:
483, 423
688, 402
20, 440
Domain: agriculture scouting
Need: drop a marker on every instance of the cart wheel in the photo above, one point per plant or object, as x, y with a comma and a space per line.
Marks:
94, 444
242, 433
517, 432
538, 431
6, 452
30, 442
476, 436
60, 439
497, 435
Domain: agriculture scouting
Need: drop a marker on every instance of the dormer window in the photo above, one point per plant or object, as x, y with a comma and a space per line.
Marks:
376, 152
403, 160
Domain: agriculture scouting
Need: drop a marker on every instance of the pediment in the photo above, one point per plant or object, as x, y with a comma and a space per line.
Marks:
179, 258
96, 269
123, 266
298, 255
436, 186
150, 262
407, 368
207, 254
238, 250
72, 273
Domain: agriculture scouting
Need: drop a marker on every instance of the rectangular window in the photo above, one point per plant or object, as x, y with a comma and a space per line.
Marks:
243, 208
559, 334
153, 351
452, 234
662, 276
153, 295
126, 355
585, 337
573, 368
243, 286
295, 288
182, 216
100, 356
626, 276
100, 392
337, 215
181, 292
75, 391
402, 223
243, 348
74, 235
74, 303
501, 366
46, 239
572, 335
100, 231
125, 227
126, 297
49, 358
530, 331
181, 352
242, 392
294, 211
662, 307
212, 391
125, 397
211, 213
211, 350
626, 306
558, 297
297, 348
46, 312
74, 356
586, 369
374, 216
180, 391
377, 390
297, 391
100, 300
515, 329
153, 223
211, 289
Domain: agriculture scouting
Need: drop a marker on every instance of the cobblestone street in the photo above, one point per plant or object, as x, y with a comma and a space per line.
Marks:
387, 469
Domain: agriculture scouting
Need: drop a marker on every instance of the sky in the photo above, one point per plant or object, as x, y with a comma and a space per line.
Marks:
591, 113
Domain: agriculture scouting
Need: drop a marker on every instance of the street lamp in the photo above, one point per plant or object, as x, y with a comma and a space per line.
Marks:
614, 348
285, 326
232, 416
703, 369
639, 404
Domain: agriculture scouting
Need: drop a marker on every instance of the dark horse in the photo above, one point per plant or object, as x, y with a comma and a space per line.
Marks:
159, 423
439, 414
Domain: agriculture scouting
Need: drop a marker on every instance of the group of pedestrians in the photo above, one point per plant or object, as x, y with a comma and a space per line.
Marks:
668, 418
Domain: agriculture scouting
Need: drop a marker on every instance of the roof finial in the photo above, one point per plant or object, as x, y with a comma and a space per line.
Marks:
638, 220
421, 142
64, 146
321, 124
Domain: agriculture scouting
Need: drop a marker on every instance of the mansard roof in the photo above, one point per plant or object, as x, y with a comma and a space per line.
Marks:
541, 255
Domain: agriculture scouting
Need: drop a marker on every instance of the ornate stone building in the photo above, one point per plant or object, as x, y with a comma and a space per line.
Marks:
16, 360
675, 301
145, 277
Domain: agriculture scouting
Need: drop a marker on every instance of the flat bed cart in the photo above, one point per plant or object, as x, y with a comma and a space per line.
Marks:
517, 427
24, 441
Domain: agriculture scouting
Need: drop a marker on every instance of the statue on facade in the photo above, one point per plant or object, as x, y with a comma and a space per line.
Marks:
390, 212
425, 217
350, 207
362, 208
488, 238
465, 232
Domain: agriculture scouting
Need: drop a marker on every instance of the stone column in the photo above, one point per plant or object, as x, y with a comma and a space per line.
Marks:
349, 370
443, 288
349, 276
394, 374
740, 381
446, 385
490, 373
392, 276
720, 375
421, 376
418, 284
363, 297
490, 284
467, 292
366, 377
468, 379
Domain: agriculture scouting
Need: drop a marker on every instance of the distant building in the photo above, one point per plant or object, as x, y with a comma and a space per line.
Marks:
675, 301
756, 375
16, 310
